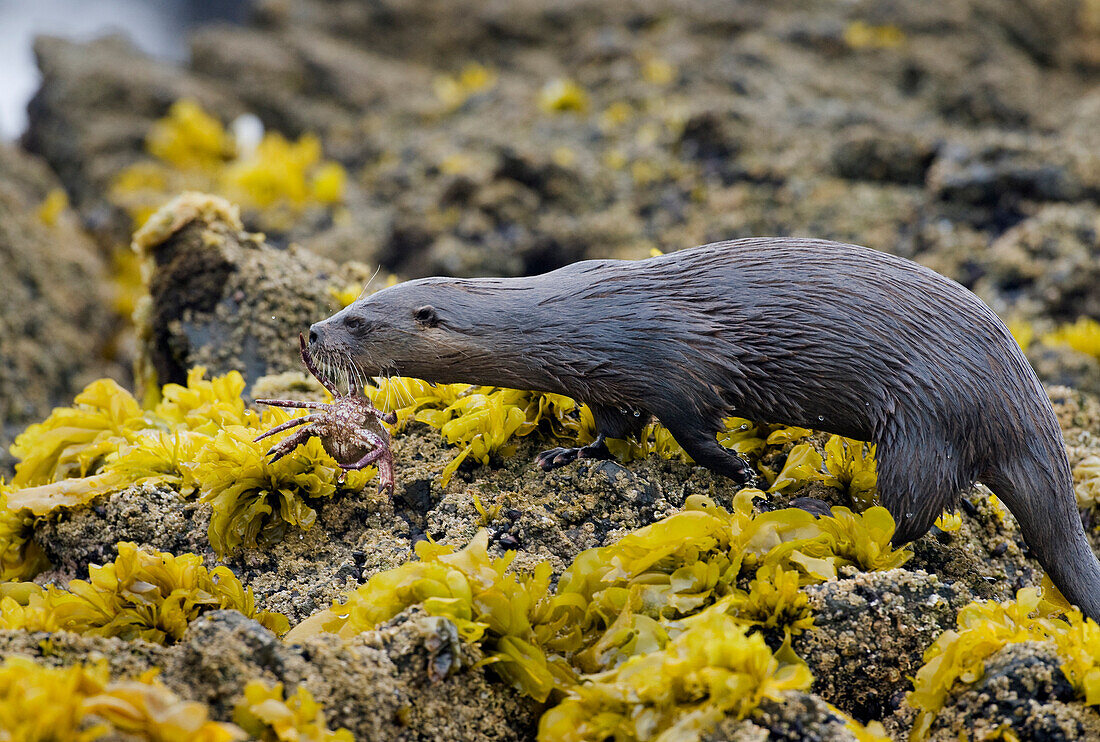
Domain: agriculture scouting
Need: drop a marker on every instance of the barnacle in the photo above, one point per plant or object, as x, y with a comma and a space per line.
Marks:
266, 715
142, 594
81, 703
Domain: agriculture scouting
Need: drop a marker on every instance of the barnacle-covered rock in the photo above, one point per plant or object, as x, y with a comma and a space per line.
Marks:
861, 620
1046, 264
56, 320
379, 685
200, 267
1021, 691
797, 716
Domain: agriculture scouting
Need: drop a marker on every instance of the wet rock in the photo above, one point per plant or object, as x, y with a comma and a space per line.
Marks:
869, 154
1046, 265
90, 116
711, 138
989, 186
1023, 689
860, 621
56, 322
798, 717
221, 298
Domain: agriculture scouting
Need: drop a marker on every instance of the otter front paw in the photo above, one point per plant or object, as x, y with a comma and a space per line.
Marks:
557, 457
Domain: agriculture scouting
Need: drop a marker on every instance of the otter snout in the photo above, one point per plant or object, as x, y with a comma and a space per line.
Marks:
323, 335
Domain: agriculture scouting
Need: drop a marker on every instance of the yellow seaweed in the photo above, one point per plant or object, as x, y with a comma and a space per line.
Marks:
266, 715
143, 594
81, 703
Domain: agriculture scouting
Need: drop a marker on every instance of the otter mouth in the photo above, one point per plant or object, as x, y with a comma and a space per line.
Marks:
337, 369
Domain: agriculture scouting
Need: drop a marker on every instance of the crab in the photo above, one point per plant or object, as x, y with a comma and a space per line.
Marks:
350, 427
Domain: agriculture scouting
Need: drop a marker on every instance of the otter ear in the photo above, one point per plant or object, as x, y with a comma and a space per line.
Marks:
426, 316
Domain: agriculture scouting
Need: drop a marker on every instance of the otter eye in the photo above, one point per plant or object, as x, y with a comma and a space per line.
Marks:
353, 323
426, 316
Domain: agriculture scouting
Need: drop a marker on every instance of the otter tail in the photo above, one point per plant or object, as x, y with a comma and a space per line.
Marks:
1039, 492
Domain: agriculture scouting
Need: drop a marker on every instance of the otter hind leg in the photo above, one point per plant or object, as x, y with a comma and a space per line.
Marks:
702, 445
918, 478
611, 422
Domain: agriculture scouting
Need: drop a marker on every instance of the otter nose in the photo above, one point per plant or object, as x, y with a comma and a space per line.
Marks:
313, 336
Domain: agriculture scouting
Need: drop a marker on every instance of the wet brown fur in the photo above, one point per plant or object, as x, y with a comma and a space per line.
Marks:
812, 333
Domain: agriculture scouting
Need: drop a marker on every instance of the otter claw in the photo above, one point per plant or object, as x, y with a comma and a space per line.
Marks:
552, 459
816, 507
557, 457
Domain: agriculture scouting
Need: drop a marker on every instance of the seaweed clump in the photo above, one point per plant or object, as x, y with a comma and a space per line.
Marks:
82, 703
265, 714
986, 627
1083, 336
20, 557
143, 594
647, 607
485, 421
197, 439
714, 668
191, 150
1086, 481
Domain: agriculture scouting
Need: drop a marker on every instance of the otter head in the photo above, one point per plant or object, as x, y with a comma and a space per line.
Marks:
425, 328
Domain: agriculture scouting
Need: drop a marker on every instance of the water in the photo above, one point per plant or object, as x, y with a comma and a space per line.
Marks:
158, 27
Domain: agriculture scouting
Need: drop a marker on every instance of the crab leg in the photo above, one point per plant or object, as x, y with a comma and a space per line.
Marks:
293, 422
308, 361
288, 444
380, 455
386, 417
292, 403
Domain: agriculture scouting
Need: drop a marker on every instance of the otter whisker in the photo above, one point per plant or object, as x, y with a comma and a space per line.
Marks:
369, 282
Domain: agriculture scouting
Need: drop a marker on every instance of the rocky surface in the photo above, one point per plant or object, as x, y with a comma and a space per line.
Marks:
53, 339
378, 686
962, 134
1022, 689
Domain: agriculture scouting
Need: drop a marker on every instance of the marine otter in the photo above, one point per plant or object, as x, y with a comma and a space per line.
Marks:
829, 336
